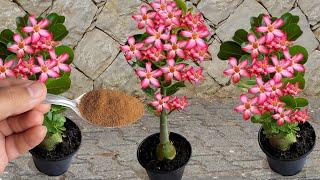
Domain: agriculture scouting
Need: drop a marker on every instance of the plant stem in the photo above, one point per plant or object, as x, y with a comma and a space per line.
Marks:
165, 149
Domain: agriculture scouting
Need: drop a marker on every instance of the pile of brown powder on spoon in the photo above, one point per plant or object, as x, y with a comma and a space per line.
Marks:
110, 108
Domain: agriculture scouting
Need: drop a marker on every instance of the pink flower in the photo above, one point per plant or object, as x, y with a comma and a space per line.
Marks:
171, 16
161, 102
255, 46
248, 108
161, 5
200, 54
144, 18
149, 76
273, 104
173, 70
155, 54
281, 43
294, 65
22, 46
235, 70
27, 66
272, 29
300, 116
194, 75
37, 28
196, 37
47, 43
282, 116
292, 89
280, 68
157, 36
194, 20
60, 61
274, 88
179, 104
260, 66
260, 88
45, 68
132, 50
6, 69
175, 47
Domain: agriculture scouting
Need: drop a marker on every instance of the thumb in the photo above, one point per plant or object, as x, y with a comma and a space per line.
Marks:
19, 99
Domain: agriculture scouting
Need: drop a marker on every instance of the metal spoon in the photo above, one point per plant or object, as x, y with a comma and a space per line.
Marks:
60, 100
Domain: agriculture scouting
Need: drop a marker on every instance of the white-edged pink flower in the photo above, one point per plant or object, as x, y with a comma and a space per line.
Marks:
248, 108
280, 68
282, 116
272, 29
294, 61
255, 46
47, 43
6, 69
45, 68
274, 88
27, 65
195, 21
260, 67
200, 54
235, 70
161, 102
22, 45
155, 54
60, 61
149, 76
144, 18
179, 104
161, 5
300, 116
196, 37
171, 16
281, 43
273, 104
132, 49
37, 28
172, 70
194, 75
260, 88
175, 48
292, 89
156, 36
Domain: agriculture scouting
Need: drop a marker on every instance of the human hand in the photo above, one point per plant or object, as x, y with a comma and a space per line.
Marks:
21, 118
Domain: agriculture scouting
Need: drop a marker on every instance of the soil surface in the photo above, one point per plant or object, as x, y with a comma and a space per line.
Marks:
148, 159
70, 144
305, 142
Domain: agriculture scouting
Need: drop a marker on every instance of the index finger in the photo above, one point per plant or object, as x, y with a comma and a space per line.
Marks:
13, 82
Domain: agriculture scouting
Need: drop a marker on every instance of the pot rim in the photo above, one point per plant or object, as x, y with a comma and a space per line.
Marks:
65, 157
165, 172
294, 159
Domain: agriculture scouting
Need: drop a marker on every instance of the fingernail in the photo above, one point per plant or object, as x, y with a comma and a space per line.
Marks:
35, 89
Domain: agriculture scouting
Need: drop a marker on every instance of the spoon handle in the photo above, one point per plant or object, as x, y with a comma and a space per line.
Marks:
60, 100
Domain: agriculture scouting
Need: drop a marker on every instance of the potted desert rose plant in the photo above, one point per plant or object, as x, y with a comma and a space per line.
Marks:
165, 57
33, 52
266, 63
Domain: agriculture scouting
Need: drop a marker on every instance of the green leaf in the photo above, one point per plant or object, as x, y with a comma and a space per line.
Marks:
152, 110
298, 78
299, 49
65, 49
22, 22
261, 119
288, 19
293, 31
149, 91
182, 5
289, 101
55, 18
170, 90
240, 36
59, 31
59, 85
256, 21
230, 49
140, 37
301, 102
246, 83
11, 57
6, 36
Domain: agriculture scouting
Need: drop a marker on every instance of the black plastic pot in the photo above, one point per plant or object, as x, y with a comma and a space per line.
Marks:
175, 174
54, 167
285, 167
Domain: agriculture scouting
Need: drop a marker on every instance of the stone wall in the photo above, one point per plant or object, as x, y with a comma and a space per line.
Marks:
98, 27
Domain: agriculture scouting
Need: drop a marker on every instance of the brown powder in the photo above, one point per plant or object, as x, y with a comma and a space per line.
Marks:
110, 108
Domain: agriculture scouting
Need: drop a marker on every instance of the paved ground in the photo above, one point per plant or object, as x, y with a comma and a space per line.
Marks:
224, 147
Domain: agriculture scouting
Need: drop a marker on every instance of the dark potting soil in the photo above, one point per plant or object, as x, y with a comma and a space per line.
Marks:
70, 144
148, 159
305, 142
